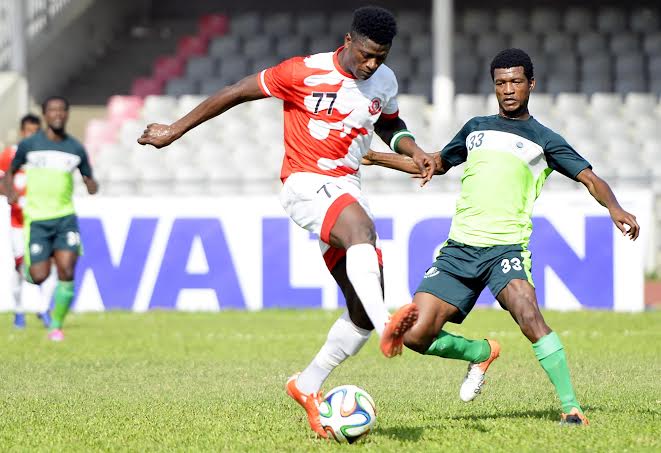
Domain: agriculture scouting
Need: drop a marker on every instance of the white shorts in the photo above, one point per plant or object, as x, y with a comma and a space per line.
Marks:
314, 202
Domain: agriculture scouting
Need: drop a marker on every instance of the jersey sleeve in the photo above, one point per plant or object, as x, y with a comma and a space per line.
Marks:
278, 81
391, 109
561, 157
20, 158
455, 152
84, 165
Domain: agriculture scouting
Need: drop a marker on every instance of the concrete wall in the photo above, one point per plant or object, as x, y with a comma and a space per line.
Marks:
75, 39
14, 102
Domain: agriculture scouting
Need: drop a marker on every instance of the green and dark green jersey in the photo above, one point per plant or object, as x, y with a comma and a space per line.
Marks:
507, 163
48, 167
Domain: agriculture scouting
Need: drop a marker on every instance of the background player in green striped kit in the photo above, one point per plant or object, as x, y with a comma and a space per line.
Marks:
51, 228
508, 157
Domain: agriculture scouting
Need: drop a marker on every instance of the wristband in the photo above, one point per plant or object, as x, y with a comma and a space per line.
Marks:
398, 136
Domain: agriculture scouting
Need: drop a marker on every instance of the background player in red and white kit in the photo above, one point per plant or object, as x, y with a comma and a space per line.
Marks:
29, 125
333, 102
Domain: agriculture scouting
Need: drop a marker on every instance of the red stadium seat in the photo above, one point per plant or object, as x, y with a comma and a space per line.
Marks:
144, 86
212, 25
98, 133
168, 67
192, 46
121, 108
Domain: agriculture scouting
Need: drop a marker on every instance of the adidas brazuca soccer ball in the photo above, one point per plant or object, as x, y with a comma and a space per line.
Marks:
347, 413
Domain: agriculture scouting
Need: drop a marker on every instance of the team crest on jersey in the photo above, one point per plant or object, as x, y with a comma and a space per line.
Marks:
375, 106
432, 272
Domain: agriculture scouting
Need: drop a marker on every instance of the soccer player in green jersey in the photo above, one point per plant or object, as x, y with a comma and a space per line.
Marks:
51, 226
508, 157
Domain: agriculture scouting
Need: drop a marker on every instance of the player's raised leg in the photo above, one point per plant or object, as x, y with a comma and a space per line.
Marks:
354, 231
519, 298
428, 337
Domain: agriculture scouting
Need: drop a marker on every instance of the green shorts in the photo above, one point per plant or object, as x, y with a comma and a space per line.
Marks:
45, 236
461, 272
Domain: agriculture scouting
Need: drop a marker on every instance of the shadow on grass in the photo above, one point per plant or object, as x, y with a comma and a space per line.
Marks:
544, 414
410, 433
547, 414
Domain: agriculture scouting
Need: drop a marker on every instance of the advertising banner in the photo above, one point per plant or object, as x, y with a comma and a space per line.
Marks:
244, 253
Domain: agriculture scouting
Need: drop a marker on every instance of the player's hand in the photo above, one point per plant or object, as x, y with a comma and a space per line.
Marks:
626, 223
92, 185
367, 158
158, 135
426, 164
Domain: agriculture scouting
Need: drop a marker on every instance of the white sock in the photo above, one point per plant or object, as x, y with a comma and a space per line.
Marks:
47, 288
16, 292
344, 340
365, 276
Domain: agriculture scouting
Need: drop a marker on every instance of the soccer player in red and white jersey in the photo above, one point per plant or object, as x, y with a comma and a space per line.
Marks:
29, 125
333, 102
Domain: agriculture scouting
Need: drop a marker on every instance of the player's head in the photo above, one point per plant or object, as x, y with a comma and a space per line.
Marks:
30, 124
56, 112
514, 79
368, 42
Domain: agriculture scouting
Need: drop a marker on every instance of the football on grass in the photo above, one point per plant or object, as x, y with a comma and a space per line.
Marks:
347, 413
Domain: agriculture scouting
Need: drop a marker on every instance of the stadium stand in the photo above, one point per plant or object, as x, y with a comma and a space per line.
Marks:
594, 77
604, 49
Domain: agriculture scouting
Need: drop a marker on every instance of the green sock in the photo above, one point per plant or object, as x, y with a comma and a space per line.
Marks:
551, 356
456, 347
63, 298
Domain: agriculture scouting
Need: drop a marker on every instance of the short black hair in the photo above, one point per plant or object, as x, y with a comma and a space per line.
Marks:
375, 23
511, 58
30, 119
54, 98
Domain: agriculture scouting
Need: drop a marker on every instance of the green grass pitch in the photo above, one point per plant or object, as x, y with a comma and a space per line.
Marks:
168, 381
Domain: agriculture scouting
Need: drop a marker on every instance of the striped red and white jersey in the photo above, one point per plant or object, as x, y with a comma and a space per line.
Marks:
329, 115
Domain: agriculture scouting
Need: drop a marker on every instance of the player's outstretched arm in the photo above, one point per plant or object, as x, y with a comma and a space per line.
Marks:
160, 135
401, 163
393, 131
602, 192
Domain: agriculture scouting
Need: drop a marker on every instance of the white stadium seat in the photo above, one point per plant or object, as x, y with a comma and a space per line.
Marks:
119, 181
539, 104
602, 104
640, 104
190, 180
466, 106
130, 131
159, 109
565, 103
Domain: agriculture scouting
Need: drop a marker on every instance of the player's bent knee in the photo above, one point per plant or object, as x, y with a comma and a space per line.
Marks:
419, 338
65, 275
362, 234
38, 277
